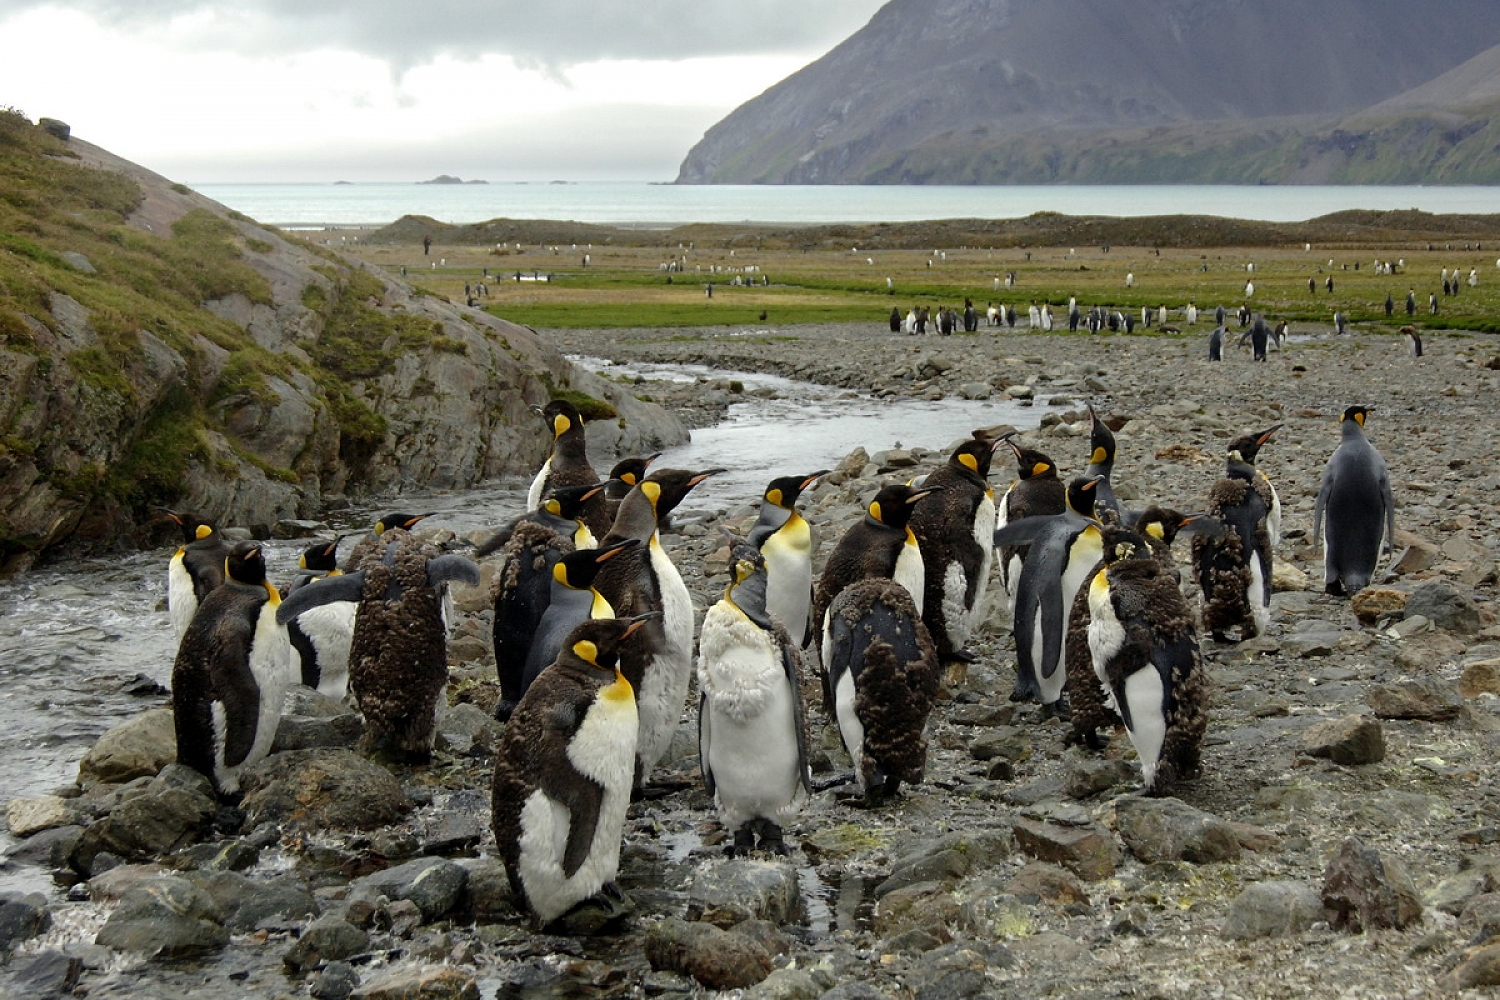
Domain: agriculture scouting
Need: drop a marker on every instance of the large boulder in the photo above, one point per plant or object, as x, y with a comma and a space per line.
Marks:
322, 790
136, 748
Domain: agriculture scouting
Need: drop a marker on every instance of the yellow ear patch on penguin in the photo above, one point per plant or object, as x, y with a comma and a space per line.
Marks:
1039, 468
1099, 457
552, 506
1155, 530
1359, 418
203, 531
875, 511
773, 497
560, 425
586, 651
652, 490
969, 462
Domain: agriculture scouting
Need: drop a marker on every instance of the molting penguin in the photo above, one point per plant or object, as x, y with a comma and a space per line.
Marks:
751, 738
196, 568
372, 541
1037, 492
1145, 651
563, 773
883, 674
785, 541
956, 533
568, 463
1064, 549
1234, 570
321, 636
398, 664
231, 673
1355, 496
659, 663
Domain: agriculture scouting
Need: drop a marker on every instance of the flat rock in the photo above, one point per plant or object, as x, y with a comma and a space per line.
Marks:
1427, 698
433, 884
746, 889
322, 789
1446, 606
1089, 852
1272, 909
164, 917
1171, 830
424, 984
33, 815
1353, 740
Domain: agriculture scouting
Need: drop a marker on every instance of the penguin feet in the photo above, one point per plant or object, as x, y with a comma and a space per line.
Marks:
744, 842
1058, 709
824, 784
504, 710
595, 915
772, 841
1335, 588
963, 656
1223, 637
1026, 689
229, 818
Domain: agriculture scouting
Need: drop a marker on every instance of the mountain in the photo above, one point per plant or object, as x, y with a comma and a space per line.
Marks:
1123, 91
157, 348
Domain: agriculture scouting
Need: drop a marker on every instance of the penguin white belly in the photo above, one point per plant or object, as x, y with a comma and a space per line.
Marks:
1148, 725
1106, 637
788, 555
850, 728
752, 743
270, 665
956, 614
910, 572
538, 485
330, 629
1273, 516
181, 603
665, 684
1260, 609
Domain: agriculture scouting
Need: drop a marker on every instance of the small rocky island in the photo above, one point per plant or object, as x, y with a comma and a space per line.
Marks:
450, 179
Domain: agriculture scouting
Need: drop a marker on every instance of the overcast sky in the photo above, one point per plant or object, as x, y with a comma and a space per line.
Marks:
208, 91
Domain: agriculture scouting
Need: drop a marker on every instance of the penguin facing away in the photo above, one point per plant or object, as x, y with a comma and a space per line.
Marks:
1145, 651
785, 541
955, 531
321, 636
1064, 549
398, 667
1355, 498
563, 774
1234, 570
567, 464
196, 568
1037, 491
751, 736
883, 675
231, 673
1413, 341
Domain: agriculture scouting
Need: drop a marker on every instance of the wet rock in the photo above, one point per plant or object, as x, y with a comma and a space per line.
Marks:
1088, 776
922, 906
1430, 699
21, 917
1374, 603
1353, 740
717, 959
425, 984
1366, 890
745, 889
1172, 830
974, 390
791, 984
432, 884
322, 790
327, 939
168, 815
334, 981
1272, 909
165, 917
250, 904
1480, 677
487, 897
221, 855
27, 816
1446, 606
950, 858
48, 849
1089, 852
139, 747
308, 732
43, 975
457, 823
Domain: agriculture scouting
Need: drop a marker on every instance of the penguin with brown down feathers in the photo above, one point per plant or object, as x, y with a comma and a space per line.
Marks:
1145, 651
883, 674
398, 662
1234, 570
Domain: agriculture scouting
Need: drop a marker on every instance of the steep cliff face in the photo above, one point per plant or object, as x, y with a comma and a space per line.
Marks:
1018, 91
157, 348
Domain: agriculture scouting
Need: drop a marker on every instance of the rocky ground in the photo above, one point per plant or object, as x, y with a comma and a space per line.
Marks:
1342, 840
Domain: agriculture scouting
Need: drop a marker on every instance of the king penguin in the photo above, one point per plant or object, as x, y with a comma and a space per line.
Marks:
371, 542
398, 663
563, 774
1145, 651
1064, 549
1038, 491
785, 541
568, 463
231, 673
751, 738
320, 637
659, 663
1355, 497
883, 674
1102, 462
196, 568
1233, 570
956, 533
624, 477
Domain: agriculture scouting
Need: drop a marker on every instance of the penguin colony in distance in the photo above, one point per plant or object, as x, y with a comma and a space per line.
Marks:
196, 568
785, 541
231, 673
563, 774
1145, 652
321, 636
1234, 570
1355, 499
752, 745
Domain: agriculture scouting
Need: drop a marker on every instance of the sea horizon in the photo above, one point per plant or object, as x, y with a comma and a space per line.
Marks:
650, 204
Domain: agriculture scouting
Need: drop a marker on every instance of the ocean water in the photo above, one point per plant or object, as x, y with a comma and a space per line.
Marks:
661, 205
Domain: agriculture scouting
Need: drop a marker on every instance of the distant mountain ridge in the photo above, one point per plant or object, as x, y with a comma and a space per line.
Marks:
1131, 91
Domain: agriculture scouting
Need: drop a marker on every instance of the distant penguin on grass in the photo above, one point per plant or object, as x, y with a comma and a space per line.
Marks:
1216, 344
1234, 570
1355, 499
231, 673
321, 636
751, 736
785, 541
562, 779
398, 664
196, 568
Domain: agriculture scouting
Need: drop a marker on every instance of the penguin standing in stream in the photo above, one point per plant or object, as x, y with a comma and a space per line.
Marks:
568, 463
751, 737
231, 673
785, 541
1234, 570
196, 568
574, 600
398, 663
1064, 549
659, 662
1355, 498
562, 778
956, 533
321, 636
883, 675
1037, 492
1145, 651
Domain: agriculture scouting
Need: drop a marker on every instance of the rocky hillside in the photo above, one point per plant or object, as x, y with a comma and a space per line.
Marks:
1180, 91
158, 349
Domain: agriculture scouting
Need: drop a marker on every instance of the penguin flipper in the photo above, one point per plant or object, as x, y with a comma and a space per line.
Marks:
236, 697
575, 791
705, 737
1026, 530
452, 568
346, 587
793, 672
